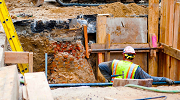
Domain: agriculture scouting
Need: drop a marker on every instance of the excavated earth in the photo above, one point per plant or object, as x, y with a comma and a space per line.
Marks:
66, 58
51, 40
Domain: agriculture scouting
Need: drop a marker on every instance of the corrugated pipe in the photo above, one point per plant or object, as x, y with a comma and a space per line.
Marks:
100, 84
152, 89
87, 4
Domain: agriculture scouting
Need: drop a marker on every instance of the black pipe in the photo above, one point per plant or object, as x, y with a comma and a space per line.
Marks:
80, 84
121, 49
100, 84
164, 83
87, 4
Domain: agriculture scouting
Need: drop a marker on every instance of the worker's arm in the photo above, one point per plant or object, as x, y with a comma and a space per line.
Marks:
141, 74
105, 68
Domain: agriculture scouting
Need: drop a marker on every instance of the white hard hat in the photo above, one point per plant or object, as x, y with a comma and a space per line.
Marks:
129, 49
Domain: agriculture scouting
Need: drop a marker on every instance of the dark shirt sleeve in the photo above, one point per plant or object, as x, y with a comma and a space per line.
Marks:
105, 68
141, 74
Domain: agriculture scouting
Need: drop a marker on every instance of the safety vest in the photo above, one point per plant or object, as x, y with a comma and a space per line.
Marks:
129, 69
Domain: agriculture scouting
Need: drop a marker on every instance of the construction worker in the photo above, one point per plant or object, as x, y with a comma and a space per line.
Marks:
130, 70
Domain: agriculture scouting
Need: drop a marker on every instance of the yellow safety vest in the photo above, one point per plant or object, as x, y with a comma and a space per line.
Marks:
129, 69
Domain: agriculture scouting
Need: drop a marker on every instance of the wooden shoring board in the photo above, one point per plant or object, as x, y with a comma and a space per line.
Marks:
19, 57
16, 57
178, 47
37, 86
174, 62
142, 82
171, 51
153, 19
100, 38
169, 33
9, 83
117, 46
107, 46
153, 60
3, 46
162, 59
127, 30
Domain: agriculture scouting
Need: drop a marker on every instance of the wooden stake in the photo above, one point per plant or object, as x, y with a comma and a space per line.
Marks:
86, 40
100, 38
108, 40
30, 62
153, 18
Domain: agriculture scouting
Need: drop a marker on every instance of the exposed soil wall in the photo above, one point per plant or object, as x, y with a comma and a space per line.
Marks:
46, 29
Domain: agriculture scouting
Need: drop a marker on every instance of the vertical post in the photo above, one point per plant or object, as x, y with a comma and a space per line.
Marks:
169, 33
86, 40
100, 38
162, 59
46, 64
174, 62
178, 45
108, 40
30, 62
153, 19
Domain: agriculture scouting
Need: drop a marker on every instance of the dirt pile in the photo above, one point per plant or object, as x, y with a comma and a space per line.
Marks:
69, 64
66, 58
117, 9
51, 11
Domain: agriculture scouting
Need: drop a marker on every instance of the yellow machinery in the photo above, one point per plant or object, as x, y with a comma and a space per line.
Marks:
11, 34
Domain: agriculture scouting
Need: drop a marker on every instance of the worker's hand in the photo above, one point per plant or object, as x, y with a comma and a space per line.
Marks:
169, 81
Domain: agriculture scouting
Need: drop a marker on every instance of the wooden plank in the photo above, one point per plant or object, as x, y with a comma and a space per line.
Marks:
86, 40
163, 21
117, 46
162, 58
37, 86
153, 19
16, 57
107, 54
176, 24
24, 93
171, 51
101, 29
167, 58
122, 82
3, 46
153, 43
153, 66
100, 38
127, 30
178, 47
9, 83
174, 62
172, 68
30, 62
161, 64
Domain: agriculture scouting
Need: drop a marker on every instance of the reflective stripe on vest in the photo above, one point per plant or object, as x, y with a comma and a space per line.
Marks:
115, 67
128, 67
129, 73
